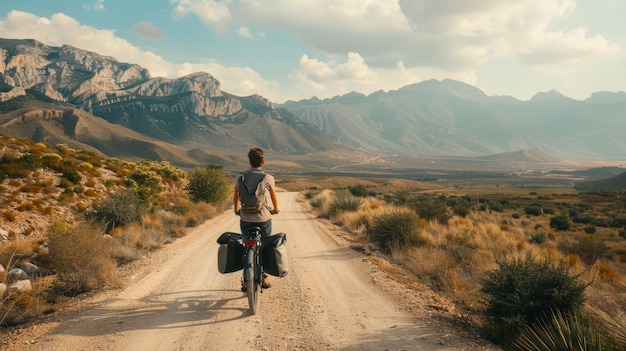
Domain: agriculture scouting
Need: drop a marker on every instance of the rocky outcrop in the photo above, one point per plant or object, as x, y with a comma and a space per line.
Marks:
93, 82
15, 92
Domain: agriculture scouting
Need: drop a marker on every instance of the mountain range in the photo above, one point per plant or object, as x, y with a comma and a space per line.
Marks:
90, 101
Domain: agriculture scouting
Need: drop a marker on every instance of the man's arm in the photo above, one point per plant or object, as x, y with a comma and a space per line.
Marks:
274, 201
236, 201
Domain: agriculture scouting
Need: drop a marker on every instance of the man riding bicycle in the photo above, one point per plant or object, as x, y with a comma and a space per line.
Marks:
252, 186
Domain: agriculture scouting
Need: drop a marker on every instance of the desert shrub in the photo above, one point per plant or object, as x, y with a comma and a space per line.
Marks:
590, 229
583, 218
310, 193
209, 185
533, 210
318, 202
460, 209
563, 332
394, 228
520, 290
145, 182
72, 176
430, 208
560, 222
538, 237
358, 190
80, 256
119, 209
344, 203
589, 248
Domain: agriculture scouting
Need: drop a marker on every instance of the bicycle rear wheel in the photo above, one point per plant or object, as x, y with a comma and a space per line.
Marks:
252, 280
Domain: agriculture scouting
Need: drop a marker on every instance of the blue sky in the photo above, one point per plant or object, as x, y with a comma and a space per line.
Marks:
295, 49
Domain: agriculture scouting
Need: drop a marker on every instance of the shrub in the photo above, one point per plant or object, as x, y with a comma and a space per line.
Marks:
119, 209
431, 208
318, 202
344, 203
538, 237
358, 190
310, 193
145, 182
394, 229
588, 248
560, 223
80, 256
533, 210
521, 290
209, 184
72, 175
590, 229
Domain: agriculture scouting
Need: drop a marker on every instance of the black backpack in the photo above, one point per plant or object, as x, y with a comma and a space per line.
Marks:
252, 194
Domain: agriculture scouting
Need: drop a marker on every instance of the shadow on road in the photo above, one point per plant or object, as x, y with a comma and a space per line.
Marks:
163, 311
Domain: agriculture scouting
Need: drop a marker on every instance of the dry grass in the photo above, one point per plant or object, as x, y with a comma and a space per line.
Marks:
453, 257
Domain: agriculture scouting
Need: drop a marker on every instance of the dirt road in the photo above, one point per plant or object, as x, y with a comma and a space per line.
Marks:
328, 301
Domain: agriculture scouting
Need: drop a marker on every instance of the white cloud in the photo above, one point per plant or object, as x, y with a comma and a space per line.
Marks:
148, 30
97, 6
244, 32
213, 13
453, 35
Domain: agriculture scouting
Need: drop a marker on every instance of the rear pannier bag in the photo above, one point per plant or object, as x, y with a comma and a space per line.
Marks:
230, 253
274, 255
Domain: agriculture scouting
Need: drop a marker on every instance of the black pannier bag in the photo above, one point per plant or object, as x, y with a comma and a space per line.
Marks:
230, 253
274, 255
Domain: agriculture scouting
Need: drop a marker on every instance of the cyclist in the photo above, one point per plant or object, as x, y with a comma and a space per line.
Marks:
261, 217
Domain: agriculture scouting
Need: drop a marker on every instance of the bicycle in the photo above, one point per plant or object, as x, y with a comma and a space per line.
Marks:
252, 269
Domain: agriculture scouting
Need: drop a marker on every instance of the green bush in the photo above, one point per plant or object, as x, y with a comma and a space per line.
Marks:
72, 175
560, 223
521, 290
533, 210
119, 209
358, 190
209, 185
344, 203
394, 229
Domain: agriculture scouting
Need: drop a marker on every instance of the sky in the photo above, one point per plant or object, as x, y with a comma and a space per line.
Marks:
298, 49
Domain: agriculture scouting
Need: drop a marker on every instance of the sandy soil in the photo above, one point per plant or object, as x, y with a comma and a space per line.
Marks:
334, 298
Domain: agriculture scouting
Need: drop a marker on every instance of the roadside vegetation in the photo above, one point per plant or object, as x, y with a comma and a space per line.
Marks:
520, 267
70, 218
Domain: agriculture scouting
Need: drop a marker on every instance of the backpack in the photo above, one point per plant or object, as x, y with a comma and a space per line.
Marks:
252, 194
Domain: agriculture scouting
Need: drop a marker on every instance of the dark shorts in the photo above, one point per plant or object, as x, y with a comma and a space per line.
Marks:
266, 227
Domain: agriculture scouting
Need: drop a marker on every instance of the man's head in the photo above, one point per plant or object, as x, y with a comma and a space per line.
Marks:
256, 155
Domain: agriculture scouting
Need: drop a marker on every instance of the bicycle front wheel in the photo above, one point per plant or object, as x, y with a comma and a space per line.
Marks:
253, 280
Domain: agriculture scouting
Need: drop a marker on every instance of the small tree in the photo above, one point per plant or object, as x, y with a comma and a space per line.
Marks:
209, 184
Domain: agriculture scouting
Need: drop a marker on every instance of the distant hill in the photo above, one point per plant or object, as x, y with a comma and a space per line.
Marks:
614, 183
450, 118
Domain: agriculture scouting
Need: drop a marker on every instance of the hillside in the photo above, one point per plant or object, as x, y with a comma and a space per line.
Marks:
450, 118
